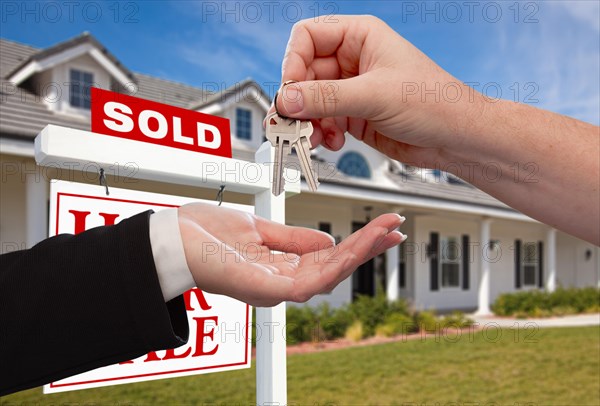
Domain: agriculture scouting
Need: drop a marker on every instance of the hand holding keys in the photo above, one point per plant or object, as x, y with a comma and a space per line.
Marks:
284, 134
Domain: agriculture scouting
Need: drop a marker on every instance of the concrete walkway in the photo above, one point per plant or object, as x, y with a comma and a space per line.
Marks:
566, 321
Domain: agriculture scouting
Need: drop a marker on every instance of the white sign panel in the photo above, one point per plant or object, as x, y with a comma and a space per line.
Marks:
220, 327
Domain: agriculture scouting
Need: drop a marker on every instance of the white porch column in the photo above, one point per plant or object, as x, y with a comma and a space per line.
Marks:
392, 273
484, 266
550, 270
36, 209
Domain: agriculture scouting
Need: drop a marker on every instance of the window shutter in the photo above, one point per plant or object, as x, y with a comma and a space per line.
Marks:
402, 267
466, 262
434, 244
540, 264
325, 227
518, 264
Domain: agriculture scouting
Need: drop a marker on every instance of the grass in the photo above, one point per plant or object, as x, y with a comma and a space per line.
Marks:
559, 366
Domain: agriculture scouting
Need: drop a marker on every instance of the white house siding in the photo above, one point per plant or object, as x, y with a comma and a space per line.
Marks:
577, 262
502, 272
13, 217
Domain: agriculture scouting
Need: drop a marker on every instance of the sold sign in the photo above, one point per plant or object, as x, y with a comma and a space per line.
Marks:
142, 120
220, 327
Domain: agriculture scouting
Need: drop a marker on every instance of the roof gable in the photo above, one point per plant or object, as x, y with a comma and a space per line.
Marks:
65, 51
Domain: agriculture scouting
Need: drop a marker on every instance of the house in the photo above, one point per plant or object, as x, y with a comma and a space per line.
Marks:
464, 247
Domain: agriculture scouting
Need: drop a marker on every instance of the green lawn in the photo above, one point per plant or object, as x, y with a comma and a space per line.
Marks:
550, 367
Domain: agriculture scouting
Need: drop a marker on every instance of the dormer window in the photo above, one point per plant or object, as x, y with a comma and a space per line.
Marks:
243, 123
354, 164
79, 90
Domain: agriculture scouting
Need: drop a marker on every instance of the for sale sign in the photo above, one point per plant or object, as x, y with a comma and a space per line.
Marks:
137, 119
220, 327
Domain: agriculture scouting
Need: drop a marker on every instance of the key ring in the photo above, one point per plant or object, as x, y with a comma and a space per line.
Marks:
287, 82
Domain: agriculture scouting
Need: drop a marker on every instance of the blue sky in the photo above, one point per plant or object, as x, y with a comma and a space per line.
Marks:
546, 53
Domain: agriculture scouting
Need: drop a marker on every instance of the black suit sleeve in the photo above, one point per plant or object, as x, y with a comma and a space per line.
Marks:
75, 303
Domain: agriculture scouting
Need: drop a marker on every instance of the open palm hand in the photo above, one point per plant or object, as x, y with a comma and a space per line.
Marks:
232, 253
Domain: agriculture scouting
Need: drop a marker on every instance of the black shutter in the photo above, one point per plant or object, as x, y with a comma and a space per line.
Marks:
465, 262
402, 267
325, 227
540, 264
402, 276
434, 244
518, 264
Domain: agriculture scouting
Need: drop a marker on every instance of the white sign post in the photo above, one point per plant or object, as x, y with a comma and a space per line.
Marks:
69, 149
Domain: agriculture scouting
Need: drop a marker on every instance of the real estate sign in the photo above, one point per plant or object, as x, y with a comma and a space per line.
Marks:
220, 327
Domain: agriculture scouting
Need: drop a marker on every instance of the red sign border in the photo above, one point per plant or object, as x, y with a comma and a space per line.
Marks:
54, 385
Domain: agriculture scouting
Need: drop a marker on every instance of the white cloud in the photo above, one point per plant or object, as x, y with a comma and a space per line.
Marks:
236, 42
587, 12
560, 54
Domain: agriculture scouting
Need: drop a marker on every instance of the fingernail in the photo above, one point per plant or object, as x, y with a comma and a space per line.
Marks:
402, 218
404, 237
292, 99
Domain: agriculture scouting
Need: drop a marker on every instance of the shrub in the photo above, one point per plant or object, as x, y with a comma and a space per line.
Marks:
563, 310
395, 324
299, 321
593, 309
543, 304
373, 311
384, 330
355, 332
370, 311
336, 324
456, 320
539, 313
427, 321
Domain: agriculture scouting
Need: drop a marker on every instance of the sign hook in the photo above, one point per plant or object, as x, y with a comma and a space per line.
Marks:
219, 197
103, 181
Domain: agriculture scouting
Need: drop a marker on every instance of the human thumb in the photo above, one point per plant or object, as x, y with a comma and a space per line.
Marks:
326, 98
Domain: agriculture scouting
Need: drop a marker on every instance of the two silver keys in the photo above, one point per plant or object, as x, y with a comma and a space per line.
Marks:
284, 134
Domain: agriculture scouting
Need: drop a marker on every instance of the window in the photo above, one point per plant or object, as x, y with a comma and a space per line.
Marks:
530, 263
354, 164
450, 262
243, 122
79, 91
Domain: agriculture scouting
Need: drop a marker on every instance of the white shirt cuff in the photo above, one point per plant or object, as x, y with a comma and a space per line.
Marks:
169, 257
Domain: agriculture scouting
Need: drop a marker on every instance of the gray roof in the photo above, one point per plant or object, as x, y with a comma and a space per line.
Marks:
229, 92
24, 115
84, 38
13, 54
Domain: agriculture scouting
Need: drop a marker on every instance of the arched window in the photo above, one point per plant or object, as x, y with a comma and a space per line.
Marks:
354, 164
